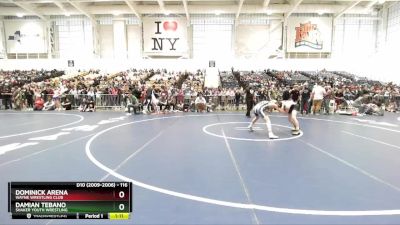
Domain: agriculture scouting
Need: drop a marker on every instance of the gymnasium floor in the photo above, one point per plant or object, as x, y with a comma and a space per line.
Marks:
208, 169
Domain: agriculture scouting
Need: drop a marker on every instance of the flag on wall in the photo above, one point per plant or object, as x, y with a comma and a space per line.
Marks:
313, 34
25, 37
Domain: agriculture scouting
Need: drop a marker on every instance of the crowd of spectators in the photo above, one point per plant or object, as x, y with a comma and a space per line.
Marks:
165, 91
323, 91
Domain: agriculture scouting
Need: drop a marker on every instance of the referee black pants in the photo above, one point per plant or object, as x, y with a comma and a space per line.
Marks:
249, 107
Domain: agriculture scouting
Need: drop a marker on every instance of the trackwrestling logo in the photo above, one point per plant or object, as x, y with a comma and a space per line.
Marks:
308, 34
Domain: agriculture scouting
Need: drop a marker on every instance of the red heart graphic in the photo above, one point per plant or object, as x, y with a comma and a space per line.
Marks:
170, 25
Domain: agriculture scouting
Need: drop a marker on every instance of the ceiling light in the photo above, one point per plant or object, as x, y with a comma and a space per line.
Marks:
269, 12
381, 1
20, 15
166, 13
320, 13
217, 13
67, 14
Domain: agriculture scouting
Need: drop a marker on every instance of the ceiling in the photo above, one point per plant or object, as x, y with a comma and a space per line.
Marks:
90, 8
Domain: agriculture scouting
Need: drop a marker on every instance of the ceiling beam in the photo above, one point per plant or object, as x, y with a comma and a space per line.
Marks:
110, 1
133, 9
194, 9
185, 5
239, 9
61, 6
293, 8
82, 10
29, 9
266, 3
162, 5
345, 10
370, 4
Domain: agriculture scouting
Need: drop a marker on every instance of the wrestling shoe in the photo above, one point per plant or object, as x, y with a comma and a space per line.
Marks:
295, 132
250, 128
272, 136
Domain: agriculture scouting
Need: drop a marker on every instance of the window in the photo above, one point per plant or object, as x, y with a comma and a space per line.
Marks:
75, 38
212, 37
355, 37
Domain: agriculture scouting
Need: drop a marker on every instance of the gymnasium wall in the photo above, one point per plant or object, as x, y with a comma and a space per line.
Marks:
251, 43
2, 40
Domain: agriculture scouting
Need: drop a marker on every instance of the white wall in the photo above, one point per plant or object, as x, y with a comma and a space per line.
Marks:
2, 42
381, 66
257, 41
134, 36
250, 40
119, 32
106, 41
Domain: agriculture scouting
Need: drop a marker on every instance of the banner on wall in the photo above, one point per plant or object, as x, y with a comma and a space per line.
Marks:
309, 34
25, 37
165, 37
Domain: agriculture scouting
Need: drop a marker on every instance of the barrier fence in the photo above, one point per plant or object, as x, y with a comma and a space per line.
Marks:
109, 101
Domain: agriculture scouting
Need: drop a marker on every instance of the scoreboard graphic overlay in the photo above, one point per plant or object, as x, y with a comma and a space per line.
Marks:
70, 200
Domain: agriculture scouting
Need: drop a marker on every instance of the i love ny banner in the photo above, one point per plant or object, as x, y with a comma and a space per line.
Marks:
165, 36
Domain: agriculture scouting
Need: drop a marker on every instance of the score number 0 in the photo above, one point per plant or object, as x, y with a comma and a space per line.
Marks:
121, 206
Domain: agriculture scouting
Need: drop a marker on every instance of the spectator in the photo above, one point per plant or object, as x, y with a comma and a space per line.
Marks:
39, 104
249, 100
237, 98
66, 104
305, 99
49, 105
133, 103
200, 103
317, 95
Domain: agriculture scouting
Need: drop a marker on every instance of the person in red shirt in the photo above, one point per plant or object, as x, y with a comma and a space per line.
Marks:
39, 104
163, 101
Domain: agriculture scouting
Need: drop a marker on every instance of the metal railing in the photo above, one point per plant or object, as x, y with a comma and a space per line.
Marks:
120, 101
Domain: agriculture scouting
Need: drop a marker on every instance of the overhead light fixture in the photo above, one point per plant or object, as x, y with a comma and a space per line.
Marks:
321, 13
269, 12
67, 14
116, 13
381, 1
20, 15
217, 13
166, 13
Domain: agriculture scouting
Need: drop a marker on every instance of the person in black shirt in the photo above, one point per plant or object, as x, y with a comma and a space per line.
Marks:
295, 93
249, 100
29, 96
286, 94
6, 93
305, 97
66, 104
